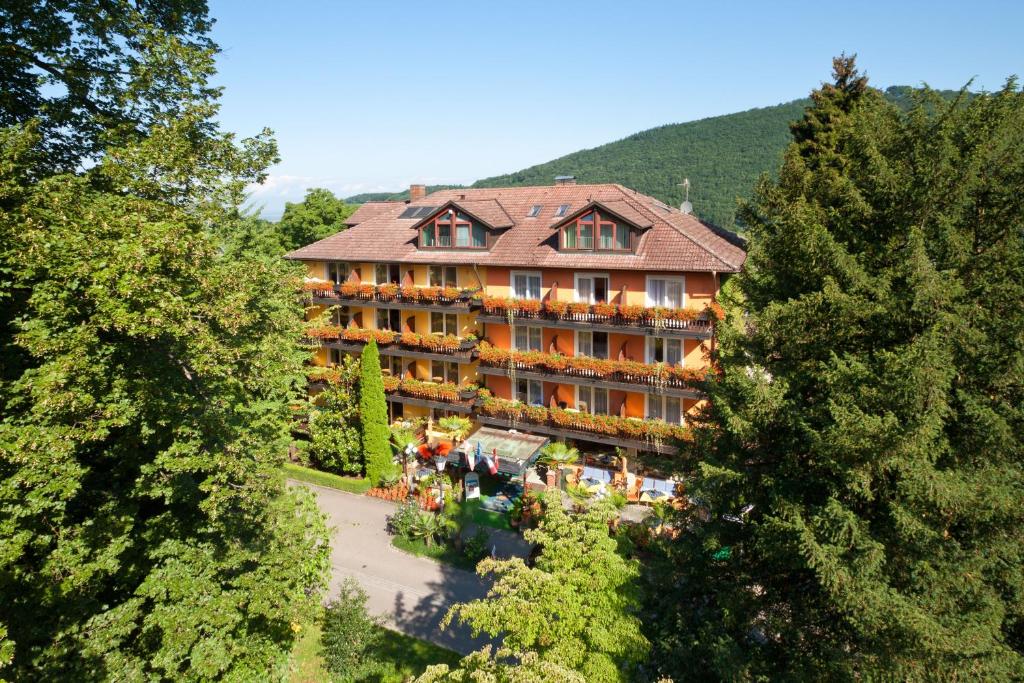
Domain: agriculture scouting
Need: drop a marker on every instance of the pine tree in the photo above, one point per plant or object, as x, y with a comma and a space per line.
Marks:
373, 414
870, 408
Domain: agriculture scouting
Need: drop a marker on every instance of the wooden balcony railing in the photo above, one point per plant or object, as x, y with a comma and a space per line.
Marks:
683, 319
657, 375
427, 343
391, 293
645, 431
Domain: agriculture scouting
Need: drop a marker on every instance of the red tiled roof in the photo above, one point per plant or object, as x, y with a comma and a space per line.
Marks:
373, 210
674, 241
488, 211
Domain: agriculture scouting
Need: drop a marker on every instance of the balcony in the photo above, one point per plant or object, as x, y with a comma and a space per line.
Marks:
390, 295
617, 375
445, 347
647, 435
441, 395
672, 322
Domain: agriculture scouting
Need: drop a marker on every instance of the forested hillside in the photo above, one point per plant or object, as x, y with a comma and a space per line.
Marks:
722, 156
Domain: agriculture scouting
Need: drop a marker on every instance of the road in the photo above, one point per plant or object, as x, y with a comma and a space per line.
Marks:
412, 593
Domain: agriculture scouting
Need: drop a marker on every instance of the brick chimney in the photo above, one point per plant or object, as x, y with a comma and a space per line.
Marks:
565, 180
417, 192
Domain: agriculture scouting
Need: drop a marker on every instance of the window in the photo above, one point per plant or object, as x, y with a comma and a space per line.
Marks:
388, 273
444, 323
534, 211
593, 344
452, 228
335, 357
666, 291
664, 350
525, 285
443, 276
389, 319
527, 338
594, 229
337, 271
591, 288
667, 408
592, 400
444, 371
560, 211
340, 315
530, 392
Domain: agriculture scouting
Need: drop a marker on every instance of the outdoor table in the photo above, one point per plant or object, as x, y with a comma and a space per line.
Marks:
591, 485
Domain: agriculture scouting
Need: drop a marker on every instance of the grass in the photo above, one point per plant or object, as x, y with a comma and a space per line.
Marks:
439, 552
488, 518
333, 481
401, 657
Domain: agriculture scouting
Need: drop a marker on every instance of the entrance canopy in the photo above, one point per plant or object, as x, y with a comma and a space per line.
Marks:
516, 451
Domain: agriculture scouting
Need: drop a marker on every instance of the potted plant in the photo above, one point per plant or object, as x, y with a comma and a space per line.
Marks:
457, 428
556, 308
467, 391
556, 456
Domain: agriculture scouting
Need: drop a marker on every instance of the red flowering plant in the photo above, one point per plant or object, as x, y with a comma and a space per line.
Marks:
360, 334
387, 290
451, 293
349, 289
323, 374
323, 332
555, 307
578, 308
631, 311
715, 311
446, 392
530, 306
366, 291
391, 384
318, 286
606, 310
410, 293
440, 343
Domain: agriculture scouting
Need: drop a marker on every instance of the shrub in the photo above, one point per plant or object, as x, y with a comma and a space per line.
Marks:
400, 523
350, 634
477, 546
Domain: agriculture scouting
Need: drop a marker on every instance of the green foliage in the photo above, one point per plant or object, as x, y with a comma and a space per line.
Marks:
349, 635
401, 521
455, 427
575, 607
334, 426
477, 546
506, 666
373, 412
871, 408
393, 196
320, 214
146, 377
350, 484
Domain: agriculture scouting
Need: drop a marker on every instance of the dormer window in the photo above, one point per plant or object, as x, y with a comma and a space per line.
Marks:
453, 228
595, 230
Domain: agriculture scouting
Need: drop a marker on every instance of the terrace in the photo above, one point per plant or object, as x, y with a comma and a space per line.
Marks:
677, 322
390, 295
610, 374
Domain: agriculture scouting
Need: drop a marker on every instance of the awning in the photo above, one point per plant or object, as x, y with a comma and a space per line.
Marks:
516, 451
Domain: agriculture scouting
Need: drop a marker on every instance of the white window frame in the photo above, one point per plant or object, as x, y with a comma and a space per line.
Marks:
444, 322
540, 333
663, 400
649, 357
529, 383
576, 344
681, 279
590, 404
528, 274
576, 277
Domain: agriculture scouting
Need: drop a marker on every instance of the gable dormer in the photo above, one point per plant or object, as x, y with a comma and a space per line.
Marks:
603, 228
463, 225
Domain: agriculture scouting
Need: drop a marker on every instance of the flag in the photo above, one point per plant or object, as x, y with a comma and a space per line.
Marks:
493, 463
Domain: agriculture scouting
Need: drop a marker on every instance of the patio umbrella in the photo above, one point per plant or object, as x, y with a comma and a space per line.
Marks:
472, 458
652, 496
494, 462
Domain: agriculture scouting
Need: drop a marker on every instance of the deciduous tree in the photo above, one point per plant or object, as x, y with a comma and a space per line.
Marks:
319, 215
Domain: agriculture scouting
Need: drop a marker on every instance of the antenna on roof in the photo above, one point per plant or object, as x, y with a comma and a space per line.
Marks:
686, 206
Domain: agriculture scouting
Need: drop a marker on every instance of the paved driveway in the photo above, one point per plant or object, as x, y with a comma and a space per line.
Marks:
412, 593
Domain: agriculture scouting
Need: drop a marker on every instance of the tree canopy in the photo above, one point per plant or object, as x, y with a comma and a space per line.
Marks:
862, 454
320, 214
576, 607
145, 375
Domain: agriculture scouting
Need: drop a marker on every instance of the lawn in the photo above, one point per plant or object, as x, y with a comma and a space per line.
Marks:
439, 552
402, 657
488, 518
333, 481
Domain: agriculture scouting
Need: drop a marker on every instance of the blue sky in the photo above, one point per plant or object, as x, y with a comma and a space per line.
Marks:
374, 95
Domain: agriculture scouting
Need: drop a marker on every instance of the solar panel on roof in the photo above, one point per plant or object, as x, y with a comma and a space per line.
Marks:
410, 212
424, 211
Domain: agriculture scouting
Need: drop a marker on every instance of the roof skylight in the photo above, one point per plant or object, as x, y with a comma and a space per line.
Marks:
534, 211
560, 211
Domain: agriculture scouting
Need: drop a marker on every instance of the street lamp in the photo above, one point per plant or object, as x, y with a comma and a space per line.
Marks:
409, 452
439, 462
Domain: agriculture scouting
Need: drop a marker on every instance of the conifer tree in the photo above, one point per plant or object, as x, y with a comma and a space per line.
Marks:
862, 454
373, 413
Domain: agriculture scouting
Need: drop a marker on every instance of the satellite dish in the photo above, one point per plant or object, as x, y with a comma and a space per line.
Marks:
686, 207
